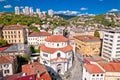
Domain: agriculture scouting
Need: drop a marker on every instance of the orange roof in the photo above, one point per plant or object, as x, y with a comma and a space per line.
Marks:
86, 38
52, 50
111, 67
4, 47
37, 34
14, 27
6, 59
56, 38
91, 68
35, 68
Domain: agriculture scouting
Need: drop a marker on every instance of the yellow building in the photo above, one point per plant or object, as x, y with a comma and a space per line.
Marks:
87, 45
15, 33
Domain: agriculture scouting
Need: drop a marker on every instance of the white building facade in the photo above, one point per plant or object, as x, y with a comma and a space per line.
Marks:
111, 45
17, 10
56, 54
37, 38
8, 64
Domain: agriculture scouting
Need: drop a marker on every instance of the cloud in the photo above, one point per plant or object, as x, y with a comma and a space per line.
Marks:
8, 6
67, 12
83, 9
114, 10
2, 0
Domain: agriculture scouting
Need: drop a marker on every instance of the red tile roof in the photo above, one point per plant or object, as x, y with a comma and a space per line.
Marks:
37, 34
86, 38
52, 50
111, 67
4, 48
14, 27
91, 68
56, 38
19, 76
36, 68
6, 59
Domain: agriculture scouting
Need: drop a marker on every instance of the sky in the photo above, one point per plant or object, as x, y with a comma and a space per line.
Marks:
64, 6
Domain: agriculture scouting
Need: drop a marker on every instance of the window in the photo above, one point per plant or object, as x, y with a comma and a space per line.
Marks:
45, 55
93, 75
101, 74
58, 55
57, 44
97, 74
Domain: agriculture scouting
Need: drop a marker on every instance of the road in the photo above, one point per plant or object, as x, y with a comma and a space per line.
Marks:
75, 73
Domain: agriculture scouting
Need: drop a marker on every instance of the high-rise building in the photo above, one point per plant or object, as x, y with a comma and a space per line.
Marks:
31, 11
111, 45
26, 10
37, 11
17, 10
50, 12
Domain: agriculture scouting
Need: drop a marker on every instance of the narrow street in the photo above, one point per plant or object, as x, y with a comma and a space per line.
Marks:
75, 73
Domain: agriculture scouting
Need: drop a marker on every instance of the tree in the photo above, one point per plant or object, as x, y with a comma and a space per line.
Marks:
32, 49
3, 42
96, 34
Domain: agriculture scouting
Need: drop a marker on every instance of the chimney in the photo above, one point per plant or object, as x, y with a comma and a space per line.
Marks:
38, 74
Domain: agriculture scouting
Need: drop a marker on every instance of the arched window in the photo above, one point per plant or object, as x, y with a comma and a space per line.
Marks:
58, 55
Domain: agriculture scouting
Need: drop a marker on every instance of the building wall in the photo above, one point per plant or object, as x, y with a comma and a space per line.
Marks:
93, 76
112, 76
88, 48
56, 44
37, 40
7, 69
111, 46
15, 36
66, 63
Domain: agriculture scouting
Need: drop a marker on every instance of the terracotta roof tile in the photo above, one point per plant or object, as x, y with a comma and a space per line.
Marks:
86, 38
56, 38
14, 27
111, 67
5, 47
36, 68
91, 68
52, 50
6, 59
37, 34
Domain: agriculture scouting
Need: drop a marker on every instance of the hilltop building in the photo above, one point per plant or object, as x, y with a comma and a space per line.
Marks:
50, 12
17, 10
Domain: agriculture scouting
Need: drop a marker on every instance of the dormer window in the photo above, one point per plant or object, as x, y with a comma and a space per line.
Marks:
58, 55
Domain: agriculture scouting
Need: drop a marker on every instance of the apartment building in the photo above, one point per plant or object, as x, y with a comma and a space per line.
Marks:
37, 38
8, 64
15, 33
111, 45
87, 45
